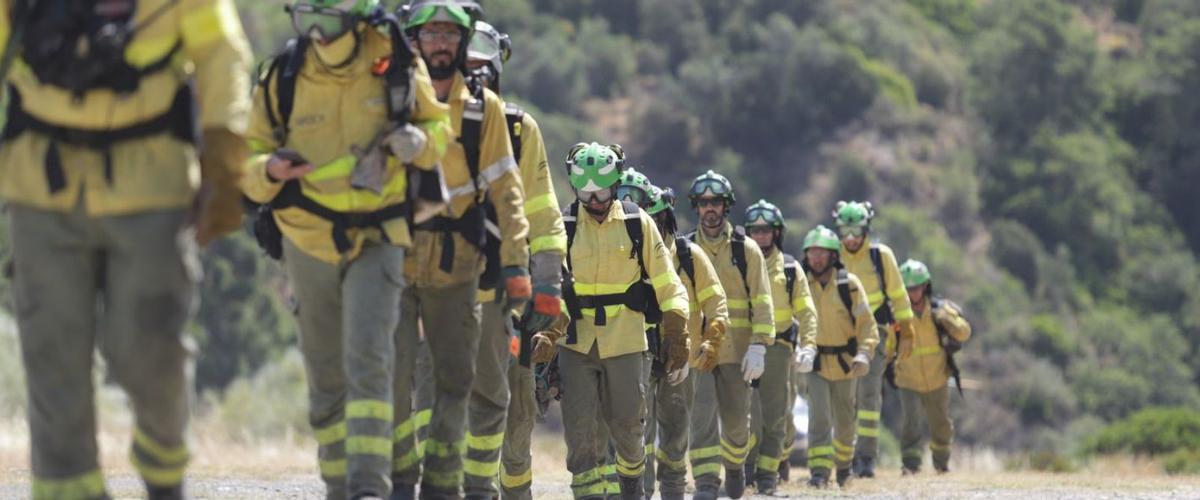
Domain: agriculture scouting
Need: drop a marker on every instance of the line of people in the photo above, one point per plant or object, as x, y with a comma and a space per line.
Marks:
436, 281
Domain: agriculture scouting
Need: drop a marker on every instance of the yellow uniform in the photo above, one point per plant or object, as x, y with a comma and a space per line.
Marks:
706, 296
923, 389
745, 328
925, 370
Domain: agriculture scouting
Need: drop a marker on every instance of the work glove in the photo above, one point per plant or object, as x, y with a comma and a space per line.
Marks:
861, 365
546, 271
544, 341
707, 356
678, 376
675, 340
517, 287
754, 363
405, 142
217, 208
908, 333
804, 359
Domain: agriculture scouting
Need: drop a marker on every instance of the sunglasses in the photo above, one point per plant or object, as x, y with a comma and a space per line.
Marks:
760, 229
709, 202
319, 23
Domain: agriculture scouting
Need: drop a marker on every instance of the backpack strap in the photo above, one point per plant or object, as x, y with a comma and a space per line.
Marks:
843, 286
944, 338
285, 67
515, 117
470, 137
633, 226
791, 272
686, 260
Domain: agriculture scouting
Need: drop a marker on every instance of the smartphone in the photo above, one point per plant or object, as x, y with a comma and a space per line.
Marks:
291, 155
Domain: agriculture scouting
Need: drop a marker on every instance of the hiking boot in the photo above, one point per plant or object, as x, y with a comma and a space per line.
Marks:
167, 493
735, 482
765, 486
819, 479
907, 471
671, 496
785, 470
941, 468
749, 471
864, 467
843, 477
705, 492
631, 488
401, 491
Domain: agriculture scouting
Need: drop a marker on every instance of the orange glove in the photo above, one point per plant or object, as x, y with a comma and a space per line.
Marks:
517, 286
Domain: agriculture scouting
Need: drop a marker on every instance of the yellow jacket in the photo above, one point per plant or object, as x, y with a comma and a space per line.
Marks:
859, 264
602, 263
743, 329
799, 309
498, 175
335, 110
925, 370
835, 327
546, 230
151, 173
706, 297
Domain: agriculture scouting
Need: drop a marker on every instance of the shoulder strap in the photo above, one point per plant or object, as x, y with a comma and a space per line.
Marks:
515, 116
877, 262
570, 219
470, 138
398, 77
633, 226
843, 285
737, 246
790, 272
684, 251
285, 67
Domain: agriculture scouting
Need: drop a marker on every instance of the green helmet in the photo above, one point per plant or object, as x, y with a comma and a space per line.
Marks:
328, 19
712, 182
660, 199
594, 167
822, 237
763, 213
458, 12
853, 214
915, 273
634, 187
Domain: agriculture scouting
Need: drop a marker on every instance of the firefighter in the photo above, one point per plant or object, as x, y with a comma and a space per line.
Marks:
119, 120
725, 393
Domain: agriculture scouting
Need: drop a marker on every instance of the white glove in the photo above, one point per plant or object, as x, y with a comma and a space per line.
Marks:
678, 376
804, 359
862, 365
755, 362
405, 142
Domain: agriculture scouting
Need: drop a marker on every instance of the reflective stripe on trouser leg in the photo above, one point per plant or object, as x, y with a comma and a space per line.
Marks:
830, 423
653, 386
580, 410
602, 387
516, 471
733, 397
157, 463
488, 403
773, 395
704, 451
844, 425
673, 413
870, 399
451, 317
411, 419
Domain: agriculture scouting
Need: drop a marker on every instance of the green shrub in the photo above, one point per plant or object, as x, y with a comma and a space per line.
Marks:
1182, 462
1154, 431
1049, 461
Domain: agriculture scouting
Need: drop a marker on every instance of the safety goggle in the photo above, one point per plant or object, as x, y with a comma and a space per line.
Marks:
709, 186
855, 231
447, 37
319, 23
766, 216
600, 196
634, 194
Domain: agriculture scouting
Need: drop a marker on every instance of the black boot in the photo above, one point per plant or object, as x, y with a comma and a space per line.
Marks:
705, 492
785, 470
401, 491
749, 475
843, 477
735, 482
631, 488
765, 485
865, 467
819, 479
165, 493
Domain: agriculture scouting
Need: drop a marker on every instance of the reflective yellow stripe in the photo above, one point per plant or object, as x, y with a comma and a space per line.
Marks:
435, 132
481, 469
897, 293
341, 167
914, 452
767, 463
761, 329
439, 449
369, 408
868, 432
332, 434
666, 461
548, 243
162, 454
819, 451
927, 350
737, 303
875, 299
86, 485
158, 476
903, 314
629, 470
414, 422
661, 280
705, 469
649, 450
369, 445
441, 479
485, 443
802, 304
764, 299
842, 447
144, 51
409, 460
539, 203
936, 447
739, 323
512, 481
868, 415
209, 23
733, 450
258, 147
704, 294
354, 200
582, 288
587, 476
673, 304
783, 315
703, 453
332, 468
589, 490
820, 463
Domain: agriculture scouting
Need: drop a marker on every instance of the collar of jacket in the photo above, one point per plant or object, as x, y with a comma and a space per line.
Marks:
615, 212
862, 252
722, 238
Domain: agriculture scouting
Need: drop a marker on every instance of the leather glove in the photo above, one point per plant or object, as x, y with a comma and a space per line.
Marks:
908, 333
861, 365
754, 363
544, 341
218, 205
707, 356
678, 376
675, 339
715, 332
517, 287
804, 359
406, 142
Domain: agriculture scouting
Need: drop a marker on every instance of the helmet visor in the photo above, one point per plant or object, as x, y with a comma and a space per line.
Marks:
439, 12
320, 23
855, 231
598, 196
766, 216
483, 48
634, 194
709, 186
